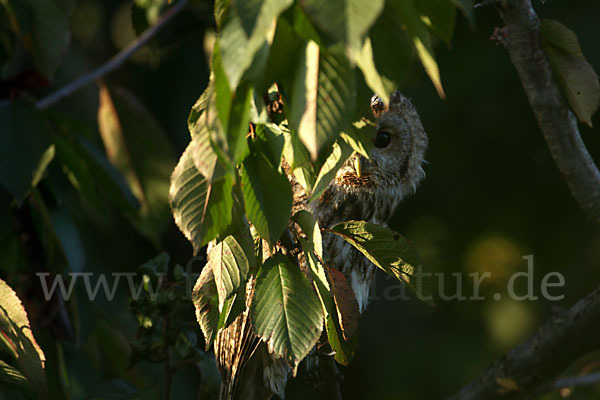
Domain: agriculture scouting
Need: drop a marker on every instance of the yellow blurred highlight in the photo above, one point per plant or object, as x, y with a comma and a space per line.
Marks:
86, 21
509, 322
497, 254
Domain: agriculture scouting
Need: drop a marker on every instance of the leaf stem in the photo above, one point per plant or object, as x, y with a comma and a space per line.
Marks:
114, 62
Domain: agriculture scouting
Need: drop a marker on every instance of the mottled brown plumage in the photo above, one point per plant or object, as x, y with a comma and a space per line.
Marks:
392, 172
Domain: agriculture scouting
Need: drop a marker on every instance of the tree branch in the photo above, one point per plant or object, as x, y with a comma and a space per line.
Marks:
572, 381
113, 63
563, 339
571, 334
557, 122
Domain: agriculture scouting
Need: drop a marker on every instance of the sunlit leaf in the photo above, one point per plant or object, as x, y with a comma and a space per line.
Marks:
389, 251
576, 75
416, 28
25, 145
268, 196
323, 98
359, 136
439, 16
228, 114
244, 34
365, 61
203, 153
298, 158
206, 301
285, 311
345, 20
344, 350
310, 227
17, 340
202, 209
230, 268
339, 154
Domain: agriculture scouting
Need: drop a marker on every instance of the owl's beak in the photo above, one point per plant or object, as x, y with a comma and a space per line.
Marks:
357, 166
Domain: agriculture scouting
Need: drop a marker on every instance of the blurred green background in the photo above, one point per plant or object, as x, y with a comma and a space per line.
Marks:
492, 195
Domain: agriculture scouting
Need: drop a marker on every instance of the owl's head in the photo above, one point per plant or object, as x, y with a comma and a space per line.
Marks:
399, 144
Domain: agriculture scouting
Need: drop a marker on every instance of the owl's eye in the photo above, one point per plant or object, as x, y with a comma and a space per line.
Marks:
383, 139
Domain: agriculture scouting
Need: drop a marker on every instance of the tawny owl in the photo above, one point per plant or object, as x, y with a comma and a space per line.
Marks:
363, 189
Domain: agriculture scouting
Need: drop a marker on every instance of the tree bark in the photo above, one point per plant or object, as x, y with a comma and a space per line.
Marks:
555, 119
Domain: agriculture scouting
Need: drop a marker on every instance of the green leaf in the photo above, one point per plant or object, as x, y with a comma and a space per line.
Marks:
220, 9
201, 208
345, 20
17, 338
439, 16
44, 28
230, 268
338, 300
206, 301
298, 158
247, 28
417, 30
339, 154
239, 227
363, 57
344, 350
310, 227
112, 341
392, 49
389, 251
77, 170
270, 138
205, 158
284, 54
467, 8
323, 98
558, 35
359, 136
268, 196
136, 145
233, 306
12, 377
25, 146
576, 75
199, 108
285, 311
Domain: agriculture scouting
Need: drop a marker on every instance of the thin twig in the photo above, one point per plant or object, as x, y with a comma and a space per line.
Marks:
568, 382
113, 63
583, 380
